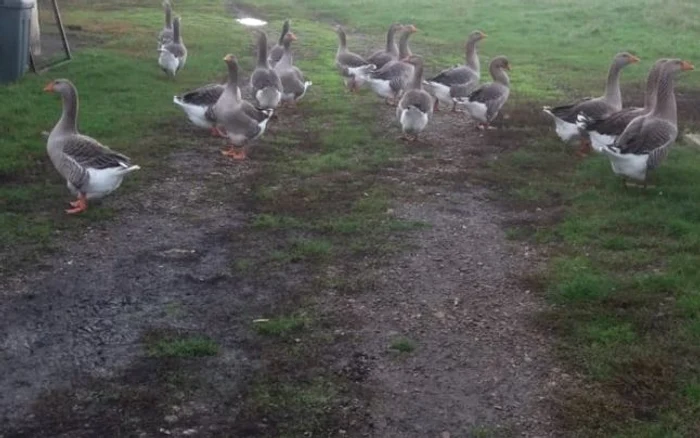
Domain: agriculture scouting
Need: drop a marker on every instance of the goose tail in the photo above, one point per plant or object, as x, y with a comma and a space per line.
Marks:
129, 169
583, 121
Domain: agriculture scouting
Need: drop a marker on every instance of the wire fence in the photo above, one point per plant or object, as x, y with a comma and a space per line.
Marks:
50, 44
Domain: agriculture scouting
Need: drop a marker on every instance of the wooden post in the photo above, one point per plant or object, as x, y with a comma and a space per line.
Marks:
35, 32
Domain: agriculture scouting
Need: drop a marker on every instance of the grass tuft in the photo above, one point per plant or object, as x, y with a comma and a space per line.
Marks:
282, 326
187, 347
402, 345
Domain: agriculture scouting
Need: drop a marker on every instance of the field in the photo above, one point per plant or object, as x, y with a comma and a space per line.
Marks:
342, 282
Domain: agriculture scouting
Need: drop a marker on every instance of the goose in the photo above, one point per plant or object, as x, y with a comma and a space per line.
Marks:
277, 50
166, 34
565, 116
390, 80
91, 169
173, 55
646, 141
404, 50
460, 80
293, 85
240, 121
197, 105
484, 103
264, 82
390, 53
604, 131
352, 67
415, 108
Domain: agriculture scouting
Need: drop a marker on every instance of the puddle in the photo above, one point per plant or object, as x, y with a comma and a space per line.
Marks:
251, 22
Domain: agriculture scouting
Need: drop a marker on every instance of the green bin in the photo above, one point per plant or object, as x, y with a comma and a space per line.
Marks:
15, 16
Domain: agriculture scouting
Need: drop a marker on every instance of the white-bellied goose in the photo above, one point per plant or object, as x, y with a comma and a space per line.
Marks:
91, 170
645, 143
416, 105
565, 116
458, 81
293, 85
390, 52
173, 55
240, 121
277, 50
603, 132
166, 34
484, 103
352, 67
264, 82
389, 81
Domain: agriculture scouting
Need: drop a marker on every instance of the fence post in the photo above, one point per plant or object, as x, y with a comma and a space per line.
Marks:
35, 32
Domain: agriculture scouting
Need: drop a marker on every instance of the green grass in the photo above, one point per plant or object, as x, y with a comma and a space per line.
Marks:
624, 285
184, 347
295, 408
402, 345
304, 249
490, 432
272, 222
282, 326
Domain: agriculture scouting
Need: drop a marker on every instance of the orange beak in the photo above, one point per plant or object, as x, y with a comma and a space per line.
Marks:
49, 87
685, 65
634, 59
483, 35
412, 28
292, 36
228, 58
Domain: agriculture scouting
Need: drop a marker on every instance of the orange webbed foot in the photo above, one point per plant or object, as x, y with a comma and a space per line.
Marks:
216, 132
235, 154
78, 206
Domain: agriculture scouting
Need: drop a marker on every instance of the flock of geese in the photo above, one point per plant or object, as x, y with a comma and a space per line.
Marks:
634, 139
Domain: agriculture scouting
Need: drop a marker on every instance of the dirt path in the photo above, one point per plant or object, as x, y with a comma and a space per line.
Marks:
479, 366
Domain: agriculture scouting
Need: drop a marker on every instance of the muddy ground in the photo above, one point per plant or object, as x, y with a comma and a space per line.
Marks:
76, 326
479, 363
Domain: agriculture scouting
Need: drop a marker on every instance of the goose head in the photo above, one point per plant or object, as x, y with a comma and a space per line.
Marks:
60, 86
625, 58
476, 36
410, 28
500, 63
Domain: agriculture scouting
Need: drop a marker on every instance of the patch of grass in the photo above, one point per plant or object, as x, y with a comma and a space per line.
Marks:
490, 432
243, 265
577, 282
296, 408
403, 225
301, 249
402, 345
183, 347
282, 326
273, 222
